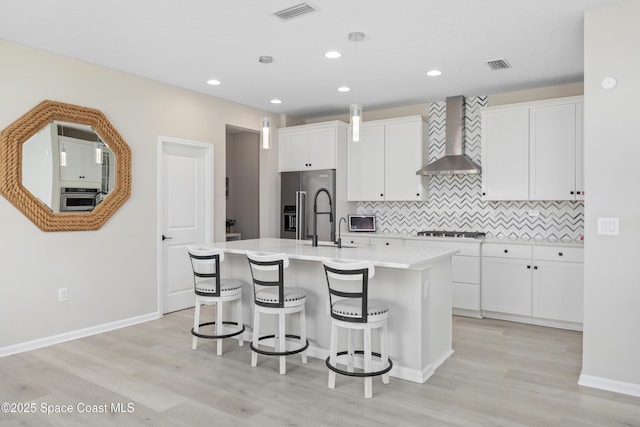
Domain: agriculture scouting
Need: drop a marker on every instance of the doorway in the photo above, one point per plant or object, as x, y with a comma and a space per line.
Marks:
185, 206
242, 183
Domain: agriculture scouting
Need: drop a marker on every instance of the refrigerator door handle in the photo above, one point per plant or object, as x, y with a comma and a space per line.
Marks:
301, 215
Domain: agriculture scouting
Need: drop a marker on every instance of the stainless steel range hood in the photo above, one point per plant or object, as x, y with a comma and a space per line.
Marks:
454, 161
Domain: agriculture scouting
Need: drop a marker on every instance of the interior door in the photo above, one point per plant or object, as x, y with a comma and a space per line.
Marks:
186, 215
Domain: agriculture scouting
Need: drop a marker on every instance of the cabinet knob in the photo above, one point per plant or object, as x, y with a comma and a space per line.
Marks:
418, 194
528, 266
387, 243
559, 253
535, 267
506, 251
484, 194
381, 195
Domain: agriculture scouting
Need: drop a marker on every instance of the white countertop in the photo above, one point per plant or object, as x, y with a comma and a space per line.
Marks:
381, 256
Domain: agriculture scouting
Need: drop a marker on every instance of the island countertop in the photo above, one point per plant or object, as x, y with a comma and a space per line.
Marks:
381, 256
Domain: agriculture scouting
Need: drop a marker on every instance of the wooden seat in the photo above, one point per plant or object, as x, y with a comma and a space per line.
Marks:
271, 296
210, 289
352, 310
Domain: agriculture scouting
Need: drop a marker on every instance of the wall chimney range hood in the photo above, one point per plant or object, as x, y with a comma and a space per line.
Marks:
454, 161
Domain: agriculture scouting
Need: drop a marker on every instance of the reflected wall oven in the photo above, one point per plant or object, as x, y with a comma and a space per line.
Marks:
77, 199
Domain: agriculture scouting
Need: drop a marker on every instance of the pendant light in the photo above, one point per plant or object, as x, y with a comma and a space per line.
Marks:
63, 151
356, 108
266, 122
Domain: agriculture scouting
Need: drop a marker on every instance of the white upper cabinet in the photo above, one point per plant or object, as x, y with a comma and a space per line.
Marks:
505, 154
81, 168
365, 164
533, 151
310, 147
383, 164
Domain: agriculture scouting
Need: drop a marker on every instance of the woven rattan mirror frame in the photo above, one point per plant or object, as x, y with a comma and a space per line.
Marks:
16, 134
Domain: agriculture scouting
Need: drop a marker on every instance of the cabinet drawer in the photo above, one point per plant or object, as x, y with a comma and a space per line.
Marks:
386, 241
356, 240
464, 248
558, 253
506, 250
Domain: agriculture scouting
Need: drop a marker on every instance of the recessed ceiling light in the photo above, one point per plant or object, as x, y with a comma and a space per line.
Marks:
344, 89
213, 82
276, 101
433, 73
332, 54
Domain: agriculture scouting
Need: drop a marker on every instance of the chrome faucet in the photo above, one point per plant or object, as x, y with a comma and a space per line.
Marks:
339, 242
314, 238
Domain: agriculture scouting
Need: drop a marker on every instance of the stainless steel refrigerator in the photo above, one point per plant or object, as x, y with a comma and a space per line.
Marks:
298, 190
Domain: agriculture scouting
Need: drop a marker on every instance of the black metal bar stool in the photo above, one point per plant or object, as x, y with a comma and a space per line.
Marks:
210, 289
272, 297
351, 309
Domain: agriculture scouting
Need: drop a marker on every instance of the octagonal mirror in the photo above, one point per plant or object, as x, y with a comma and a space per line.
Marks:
65, 167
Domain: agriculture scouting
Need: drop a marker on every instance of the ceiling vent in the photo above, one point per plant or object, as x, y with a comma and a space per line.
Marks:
294, 11
498, 64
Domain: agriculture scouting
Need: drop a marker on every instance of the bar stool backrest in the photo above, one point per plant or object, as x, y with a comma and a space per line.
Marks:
205, 263
267, 270
348, 280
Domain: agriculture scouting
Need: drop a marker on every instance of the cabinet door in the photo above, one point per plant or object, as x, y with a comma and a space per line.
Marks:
558, 290
75, 157
403, 157
505, 154
579, 151
553, 152
506, 285
293, 151
365, 165
322, 148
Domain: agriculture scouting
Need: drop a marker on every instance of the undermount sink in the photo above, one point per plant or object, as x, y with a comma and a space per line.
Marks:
331, 244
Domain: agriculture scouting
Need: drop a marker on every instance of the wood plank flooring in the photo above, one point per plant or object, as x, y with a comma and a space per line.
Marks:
501, 374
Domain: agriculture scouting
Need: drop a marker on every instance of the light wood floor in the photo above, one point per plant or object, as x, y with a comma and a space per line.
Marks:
501, 374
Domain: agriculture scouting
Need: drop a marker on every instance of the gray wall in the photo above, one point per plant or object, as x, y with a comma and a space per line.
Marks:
111, 274
611, 352
243, 168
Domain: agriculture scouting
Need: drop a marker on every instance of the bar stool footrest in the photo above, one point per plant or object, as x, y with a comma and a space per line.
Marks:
279, 353
232, 334
359, 374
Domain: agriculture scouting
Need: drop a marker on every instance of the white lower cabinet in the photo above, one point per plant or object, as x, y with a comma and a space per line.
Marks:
535, 284
465, 274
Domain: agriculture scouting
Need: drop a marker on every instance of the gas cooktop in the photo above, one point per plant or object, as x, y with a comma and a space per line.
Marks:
455, 234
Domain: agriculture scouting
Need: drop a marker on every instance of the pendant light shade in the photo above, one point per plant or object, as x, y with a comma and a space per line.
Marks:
63, 156
266, 122
356, 122
266, 133
98, 158
356, 108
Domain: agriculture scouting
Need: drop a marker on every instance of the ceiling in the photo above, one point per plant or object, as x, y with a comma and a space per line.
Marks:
186, 43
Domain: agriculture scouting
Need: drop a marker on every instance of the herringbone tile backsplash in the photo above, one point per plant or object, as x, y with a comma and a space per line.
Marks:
455, 203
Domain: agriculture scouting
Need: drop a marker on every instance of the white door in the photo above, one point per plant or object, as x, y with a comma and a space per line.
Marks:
186, 209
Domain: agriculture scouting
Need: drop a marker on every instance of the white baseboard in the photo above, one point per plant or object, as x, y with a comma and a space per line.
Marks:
74, 335
610, 385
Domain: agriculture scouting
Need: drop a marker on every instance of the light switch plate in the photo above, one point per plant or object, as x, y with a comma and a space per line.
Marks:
608, 226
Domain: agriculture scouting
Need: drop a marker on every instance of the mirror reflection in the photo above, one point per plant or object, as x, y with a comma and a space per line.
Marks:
68, 167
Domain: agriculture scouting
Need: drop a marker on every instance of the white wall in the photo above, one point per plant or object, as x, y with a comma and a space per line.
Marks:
111, 273
611, 353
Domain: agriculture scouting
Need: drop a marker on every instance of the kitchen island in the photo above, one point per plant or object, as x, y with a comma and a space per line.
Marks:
414, 282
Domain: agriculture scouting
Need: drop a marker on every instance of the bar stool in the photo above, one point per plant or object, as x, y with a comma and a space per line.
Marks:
351, 309
272, 297
210, 289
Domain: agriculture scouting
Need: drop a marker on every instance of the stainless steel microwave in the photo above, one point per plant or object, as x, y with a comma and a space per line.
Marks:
362, 223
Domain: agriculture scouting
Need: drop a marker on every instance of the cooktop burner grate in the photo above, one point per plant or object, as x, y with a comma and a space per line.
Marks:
456, 234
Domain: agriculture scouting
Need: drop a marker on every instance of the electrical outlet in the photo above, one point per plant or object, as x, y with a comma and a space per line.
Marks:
63, 295
534, 212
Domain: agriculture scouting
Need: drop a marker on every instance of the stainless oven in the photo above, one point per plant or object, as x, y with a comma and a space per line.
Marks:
77, 199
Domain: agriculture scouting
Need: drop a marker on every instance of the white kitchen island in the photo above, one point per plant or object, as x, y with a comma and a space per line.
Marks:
415, 283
